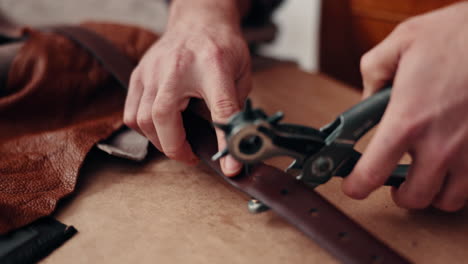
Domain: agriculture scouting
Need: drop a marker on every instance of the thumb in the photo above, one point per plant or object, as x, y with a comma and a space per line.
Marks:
223, 103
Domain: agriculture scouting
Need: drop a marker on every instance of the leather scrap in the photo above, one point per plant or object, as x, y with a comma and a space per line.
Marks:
60, 103
125, 143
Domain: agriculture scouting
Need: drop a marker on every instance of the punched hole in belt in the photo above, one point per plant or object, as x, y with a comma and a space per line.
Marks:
284, 191
313, 212
344, 236
376, 259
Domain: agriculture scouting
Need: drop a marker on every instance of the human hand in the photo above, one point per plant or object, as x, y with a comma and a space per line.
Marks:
201, 55
427, 116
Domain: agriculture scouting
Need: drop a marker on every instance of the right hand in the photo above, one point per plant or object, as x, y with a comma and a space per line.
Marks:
197, 57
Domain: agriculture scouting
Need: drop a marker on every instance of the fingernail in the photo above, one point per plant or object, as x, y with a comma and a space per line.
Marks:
231, 166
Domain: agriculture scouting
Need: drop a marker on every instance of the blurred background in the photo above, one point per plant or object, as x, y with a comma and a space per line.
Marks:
330, 36
297, 20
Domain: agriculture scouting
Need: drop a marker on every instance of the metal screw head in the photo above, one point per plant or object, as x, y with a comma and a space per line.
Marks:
255, 206
322, 166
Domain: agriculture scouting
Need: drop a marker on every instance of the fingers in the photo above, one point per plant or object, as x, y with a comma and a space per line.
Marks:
423, 182
144, 117
381, 157
455, 193
132, 102
379, 65
423, 116
167, 119
223, 103
379, 160
244, 85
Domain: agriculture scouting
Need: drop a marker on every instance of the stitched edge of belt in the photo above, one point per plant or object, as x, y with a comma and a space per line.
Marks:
305, 209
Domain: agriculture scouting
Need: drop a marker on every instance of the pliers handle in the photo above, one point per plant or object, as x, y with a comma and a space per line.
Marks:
338, 157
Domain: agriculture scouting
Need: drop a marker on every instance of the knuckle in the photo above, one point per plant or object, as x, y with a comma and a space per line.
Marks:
130, 121
135, 76
144, 121
408, 27
215, 51
223, 109
135, 80
214, 54
182, 60
367, 63
412, 128
162, 110
370, 69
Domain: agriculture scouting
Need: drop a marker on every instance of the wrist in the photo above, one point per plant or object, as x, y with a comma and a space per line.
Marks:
207, 13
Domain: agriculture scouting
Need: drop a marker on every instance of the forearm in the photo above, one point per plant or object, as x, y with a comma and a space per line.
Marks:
228, 12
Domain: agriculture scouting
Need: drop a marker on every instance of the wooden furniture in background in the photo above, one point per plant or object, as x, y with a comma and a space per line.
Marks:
352, 27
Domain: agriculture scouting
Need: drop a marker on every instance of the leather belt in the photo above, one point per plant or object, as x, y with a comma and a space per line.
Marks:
289, 198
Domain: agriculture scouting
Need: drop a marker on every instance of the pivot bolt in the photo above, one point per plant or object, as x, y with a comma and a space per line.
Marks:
322, 166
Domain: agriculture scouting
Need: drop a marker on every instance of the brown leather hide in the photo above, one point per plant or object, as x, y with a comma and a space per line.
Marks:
59, 103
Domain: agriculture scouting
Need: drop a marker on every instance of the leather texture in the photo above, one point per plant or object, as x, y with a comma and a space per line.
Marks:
59, 103
289, 198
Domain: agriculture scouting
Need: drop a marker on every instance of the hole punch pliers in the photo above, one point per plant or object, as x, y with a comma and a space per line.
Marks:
319, 154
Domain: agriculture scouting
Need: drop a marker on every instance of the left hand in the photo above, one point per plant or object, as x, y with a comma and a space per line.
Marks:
202, 54
427, 116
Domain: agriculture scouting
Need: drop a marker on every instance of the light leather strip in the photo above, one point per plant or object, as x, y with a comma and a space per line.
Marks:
289, 198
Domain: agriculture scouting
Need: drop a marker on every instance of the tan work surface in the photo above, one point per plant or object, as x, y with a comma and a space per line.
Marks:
165, 212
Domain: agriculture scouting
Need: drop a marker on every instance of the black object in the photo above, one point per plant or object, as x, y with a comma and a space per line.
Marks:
252, 137
34, 242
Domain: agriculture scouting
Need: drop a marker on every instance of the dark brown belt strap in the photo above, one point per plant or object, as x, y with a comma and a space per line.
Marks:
7, 54
116, 63
299, 205
289, 198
